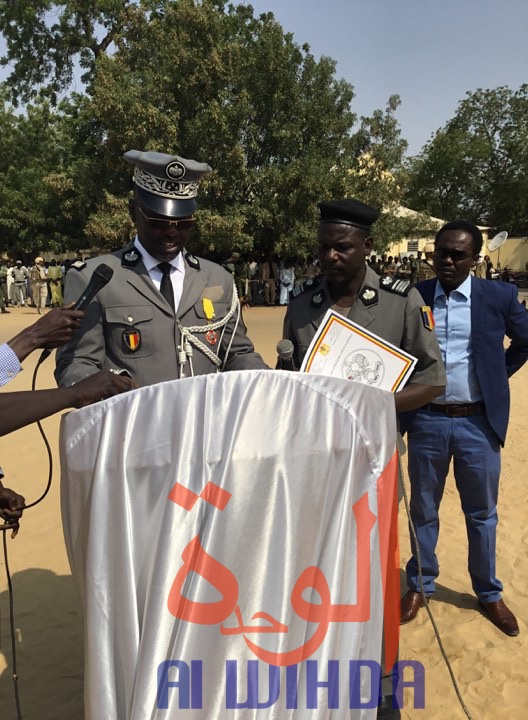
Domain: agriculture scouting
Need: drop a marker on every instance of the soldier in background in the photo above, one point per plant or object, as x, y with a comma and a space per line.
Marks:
414, 269
425, 265
20, 275
55, 275
38, 276
270, 276
4, 297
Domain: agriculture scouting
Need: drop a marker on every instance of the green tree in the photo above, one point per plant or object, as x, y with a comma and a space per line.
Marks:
208, 81
38, 199
45, 39
241, 95
476, 166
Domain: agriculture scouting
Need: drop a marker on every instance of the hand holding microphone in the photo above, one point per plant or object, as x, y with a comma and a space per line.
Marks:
50, 331
56, 327
60, 327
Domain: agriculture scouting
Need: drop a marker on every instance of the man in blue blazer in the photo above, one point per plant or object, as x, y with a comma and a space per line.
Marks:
468, 423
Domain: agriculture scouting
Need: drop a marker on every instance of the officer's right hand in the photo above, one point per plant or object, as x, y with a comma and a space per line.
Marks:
100, 386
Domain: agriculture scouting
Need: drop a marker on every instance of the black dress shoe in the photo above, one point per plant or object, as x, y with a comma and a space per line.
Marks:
501, 616
386, 711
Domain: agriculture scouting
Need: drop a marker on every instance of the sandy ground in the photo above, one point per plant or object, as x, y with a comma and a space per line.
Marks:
491, 669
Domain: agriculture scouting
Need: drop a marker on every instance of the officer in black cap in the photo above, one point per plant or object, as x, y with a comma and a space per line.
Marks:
389, 308
164, 314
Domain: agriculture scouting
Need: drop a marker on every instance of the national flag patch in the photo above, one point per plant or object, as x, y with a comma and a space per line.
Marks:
132, 339
427, 317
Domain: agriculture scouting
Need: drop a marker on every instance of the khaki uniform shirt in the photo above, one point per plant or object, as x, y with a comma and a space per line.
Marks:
425, 270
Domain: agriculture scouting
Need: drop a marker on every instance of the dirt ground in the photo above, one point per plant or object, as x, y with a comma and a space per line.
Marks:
491, 669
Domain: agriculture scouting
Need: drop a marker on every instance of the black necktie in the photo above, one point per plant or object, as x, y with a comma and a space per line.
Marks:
166, 285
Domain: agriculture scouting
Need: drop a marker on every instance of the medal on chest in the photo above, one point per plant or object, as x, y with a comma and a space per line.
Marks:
211, 335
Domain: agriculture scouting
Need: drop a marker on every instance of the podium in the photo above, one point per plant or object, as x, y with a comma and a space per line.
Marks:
233, 539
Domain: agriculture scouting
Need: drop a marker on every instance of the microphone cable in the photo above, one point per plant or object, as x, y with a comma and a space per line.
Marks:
12, 626
7, 527
101, 276
424, 597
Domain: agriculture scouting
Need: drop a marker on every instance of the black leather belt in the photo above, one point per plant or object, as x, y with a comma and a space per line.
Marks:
458, 409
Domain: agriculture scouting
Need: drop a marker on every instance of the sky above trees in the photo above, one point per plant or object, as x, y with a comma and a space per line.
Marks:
231, 86
429, 52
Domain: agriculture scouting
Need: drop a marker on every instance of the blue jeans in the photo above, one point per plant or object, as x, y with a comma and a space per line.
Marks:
434, 439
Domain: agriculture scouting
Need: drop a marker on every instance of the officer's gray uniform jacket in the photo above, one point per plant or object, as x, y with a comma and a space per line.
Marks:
130, 303
392, 311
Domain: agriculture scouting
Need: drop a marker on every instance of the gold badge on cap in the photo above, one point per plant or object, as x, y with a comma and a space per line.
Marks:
132, 339
175, 170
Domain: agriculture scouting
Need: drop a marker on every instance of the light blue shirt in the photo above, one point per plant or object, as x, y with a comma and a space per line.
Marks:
452, 317
9, 364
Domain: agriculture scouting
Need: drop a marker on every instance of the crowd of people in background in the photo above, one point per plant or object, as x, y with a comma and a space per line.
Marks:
38, 285
259, 281
270, 280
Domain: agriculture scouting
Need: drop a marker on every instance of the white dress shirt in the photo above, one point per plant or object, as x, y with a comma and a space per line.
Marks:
177, 274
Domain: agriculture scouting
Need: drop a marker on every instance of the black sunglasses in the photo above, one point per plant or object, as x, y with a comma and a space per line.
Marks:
455, 255
162, 224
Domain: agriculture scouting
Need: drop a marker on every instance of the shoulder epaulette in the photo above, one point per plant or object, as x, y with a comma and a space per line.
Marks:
399, 287
309, 284
78, 265
192, 261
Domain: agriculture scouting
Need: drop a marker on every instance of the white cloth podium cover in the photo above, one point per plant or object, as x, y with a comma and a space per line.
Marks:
223, 524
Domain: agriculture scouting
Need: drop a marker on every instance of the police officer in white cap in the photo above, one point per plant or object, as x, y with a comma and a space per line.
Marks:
165, 314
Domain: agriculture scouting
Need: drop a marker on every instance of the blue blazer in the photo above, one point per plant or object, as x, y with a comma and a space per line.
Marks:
495, 312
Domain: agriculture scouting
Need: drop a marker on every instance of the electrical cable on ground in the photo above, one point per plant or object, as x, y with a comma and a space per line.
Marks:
425, 600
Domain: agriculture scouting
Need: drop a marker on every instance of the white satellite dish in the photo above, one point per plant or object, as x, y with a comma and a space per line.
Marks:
497, 241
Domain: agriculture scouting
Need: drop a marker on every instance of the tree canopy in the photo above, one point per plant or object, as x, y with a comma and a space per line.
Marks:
476, 166
197, 78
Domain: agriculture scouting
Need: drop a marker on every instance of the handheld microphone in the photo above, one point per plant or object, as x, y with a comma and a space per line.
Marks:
101, 276
285, 352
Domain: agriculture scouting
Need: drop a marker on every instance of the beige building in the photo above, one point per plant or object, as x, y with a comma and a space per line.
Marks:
416, 240
513, 254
